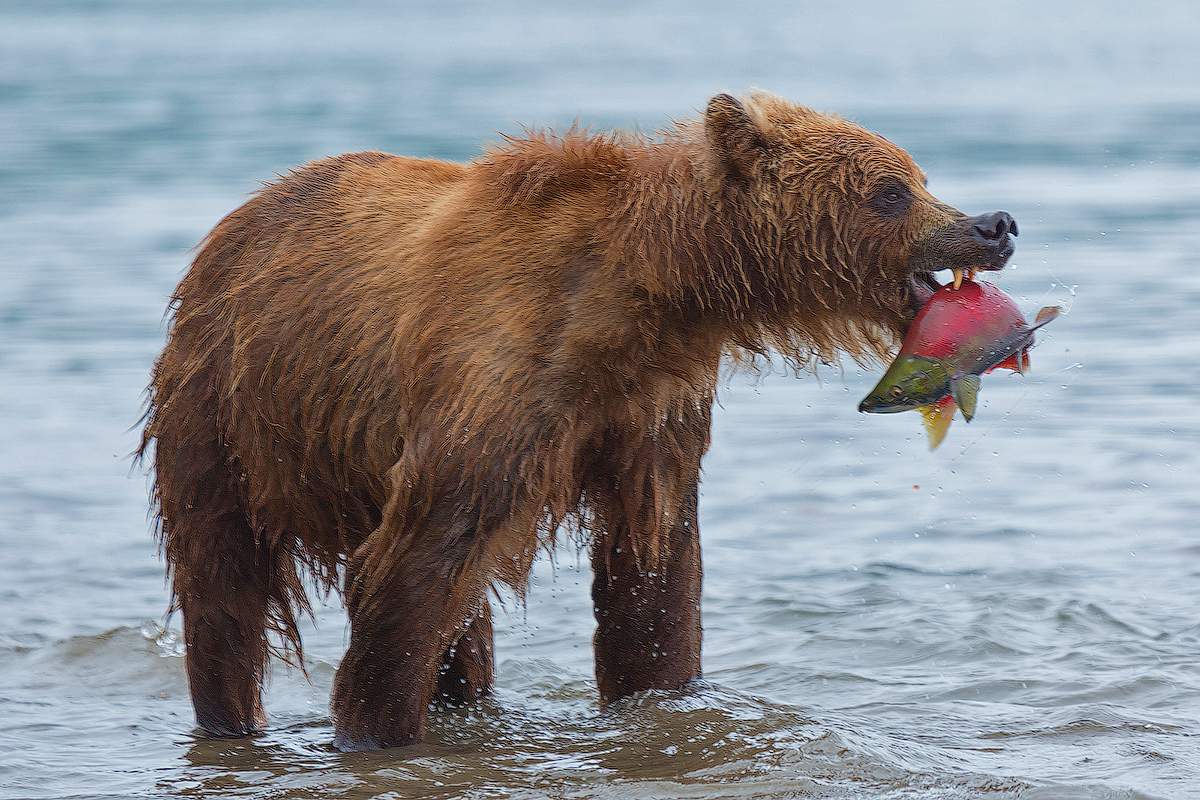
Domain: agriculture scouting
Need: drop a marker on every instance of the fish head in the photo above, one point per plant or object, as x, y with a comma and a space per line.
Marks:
910, 382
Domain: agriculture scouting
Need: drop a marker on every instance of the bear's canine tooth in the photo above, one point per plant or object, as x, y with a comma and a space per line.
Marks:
958, 277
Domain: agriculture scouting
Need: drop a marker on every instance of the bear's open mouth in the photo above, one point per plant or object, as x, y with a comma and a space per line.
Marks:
967, 245
923, 284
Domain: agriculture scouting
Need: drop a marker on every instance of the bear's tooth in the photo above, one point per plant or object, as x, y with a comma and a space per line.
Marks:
958, 276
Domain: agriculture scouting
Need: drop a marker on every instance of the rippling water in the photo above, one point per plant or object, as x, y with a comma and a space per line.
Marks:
1013, 616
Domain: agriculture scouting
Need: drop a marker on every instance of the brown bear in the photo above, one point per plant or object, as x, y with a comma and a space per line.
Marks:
409, 373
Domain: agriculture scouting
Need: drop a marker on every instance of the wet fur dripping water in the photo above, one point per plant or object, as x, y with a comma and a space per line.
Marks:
1021, 624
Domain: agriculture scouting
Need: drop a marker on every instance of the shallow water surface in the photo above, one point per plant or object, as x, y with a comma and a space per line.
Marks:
1013, 616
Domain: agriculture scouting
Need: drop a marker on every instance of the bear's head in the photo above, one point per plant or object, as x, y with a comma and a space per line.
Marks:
838, 237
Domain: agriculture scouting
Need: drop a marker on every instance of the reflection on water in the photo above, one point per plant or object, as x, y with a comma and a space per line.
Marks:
1013, 616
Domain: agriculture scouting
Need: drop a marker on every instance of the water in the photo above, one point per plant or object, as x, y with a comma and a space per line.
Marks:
1013, 616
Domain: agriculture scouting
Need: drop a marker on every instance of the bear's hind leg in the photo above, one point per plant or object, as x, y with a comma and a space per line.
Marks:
226, 649
231, 584
223, 587
467, 667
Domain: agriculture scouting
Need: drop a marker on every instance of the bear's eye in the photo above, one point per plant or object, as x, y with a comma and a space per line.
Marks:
891, 200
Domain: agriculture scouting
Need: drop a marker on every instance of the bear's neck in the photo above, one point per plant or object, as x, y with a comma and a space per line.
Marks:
686, 247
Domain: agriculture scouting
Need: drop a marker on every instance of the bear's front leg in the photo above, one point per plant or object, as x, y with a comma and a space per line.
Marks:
648, 617
410, 594
467, 668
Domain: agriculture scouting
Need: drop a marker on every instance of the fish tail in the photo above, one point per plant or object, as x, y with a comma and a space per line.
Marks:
1045, 315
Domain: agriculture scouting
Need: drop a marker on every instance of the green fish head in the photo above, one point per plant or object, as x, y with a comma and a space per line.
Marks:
910, 382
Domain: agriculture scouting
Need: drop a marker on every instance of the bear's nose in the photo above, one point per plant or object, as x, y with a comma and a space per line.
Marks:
992, 228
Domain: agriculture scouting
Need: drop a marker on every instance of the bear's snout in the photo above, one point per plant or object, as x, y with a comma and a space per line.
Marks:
994, 231
994, 226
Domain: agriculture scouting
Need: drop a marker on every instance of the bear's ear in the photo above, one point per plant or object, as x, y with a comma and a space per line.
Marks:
735, 138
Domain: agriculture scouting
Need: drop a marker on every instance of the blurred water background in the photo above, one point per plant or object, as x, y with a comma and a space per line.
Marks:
1013, 616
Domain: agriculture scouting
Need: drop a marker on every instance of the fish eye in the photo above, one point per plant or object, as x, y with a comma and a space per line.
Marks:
897, 391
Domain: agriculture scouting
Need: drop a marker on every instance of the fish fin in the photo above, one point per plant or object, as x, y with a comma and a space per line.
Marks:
937, 418
1046, 314
966, 393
